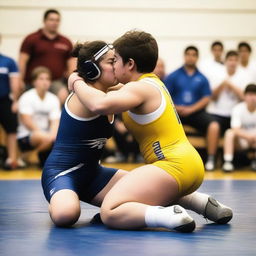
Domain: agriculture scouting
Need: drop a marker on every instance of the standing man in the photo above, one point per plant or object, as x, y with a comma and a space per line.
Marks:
191, 93
46, 47
9, 93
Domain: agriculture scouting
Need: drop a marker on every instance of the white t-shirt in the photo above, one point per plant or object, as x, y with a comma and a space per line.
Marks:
213, 70
250, 69
242, 118
41, 110
227, 99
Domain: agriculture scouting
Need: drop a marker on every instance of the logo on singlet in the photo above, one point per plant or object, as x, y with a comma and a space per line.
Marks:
158, 151
96, 143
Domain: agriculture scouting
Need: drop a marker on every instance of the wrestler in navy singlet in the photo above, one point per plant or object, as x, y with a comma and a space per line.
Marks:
74, 160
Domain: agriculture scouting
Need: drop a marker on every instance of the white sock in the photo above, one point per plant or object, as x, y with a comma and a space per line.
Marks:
195, 202
228, 157
167, 217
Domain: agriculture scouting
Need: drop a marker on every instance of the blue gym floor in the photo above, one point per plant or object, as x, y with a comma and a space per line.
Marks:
26, 229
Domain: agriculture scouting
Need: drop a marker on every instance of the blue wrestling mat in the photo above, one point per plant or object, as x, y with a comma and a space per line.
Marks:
26, 229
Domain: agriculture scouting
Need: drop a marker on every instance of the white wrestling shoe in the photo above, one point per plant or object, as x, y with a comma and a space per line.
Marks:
172, 217
217, 212
181, 220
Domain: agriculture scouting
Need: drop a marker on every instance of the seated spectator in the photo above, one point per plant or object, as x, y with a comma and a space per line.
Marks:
191, 93
39, 113
47, 47
9, 93
227, 91
160, 69
242, 134
245, 62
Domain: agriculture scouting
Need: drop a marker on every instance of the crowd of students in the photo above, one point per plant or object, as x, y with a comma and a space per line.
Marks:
217, 96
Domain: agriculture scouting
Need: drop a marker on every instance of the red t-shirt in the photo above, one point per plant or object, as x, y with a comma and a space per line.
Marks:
51, 53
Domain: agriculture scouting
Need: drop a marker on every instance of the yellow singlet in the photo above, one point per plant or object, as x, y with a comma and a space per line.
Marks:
163, 142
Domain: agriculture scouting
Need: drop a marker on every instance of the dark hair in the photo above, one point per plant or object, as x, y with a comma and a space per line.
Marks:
250, 88
231, 54
85, 52
38, 71
215, 43
48, 12
246, 45
139, 46
191, 48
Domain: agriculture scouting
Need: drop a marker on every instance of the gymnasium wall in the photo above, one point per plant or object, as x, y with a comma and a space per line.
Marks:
175, 24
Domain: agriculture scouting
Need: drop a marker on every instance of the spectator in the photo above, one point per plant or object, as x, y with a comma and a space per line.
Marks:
242, 134
9, 93
46, 47
227, 91
245, 62
160, 69
191, 93
39, 113
213, 67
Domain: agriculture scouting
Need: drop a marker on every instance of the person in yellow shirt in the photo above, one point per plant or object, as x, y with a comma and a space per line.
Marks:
152, 195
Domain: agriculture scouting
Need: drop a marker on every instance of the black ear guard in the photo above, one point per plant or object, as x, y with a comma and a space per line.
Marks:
91, 69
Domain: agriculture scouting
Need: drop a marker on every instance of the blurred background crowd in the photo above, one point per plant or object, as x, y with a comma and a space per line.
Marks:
214, 90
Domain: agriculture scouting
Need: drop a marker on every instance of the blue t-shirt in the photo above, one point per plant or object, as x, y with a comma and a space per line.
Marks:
187, 89
7, 68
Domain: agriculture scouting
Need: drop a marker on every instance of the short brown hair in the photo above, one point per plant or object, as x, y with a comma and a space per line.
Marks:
38, 71
139, 46
48, 12
250, 88
231, 53
246, 45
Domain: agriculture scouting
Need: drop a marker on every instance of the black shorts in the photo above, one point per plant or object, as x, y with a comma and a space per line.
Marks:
8, 119
24, 144
200, 120
223, 121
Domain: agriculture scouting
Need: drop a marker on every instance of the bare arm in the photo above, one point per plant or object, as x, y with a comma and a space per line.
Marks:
15, 87
15, 90
54, 124
23, 60
236, 90
201, 104
245, 135
113, 102
27, 120
188, 110
227, 85
216, 92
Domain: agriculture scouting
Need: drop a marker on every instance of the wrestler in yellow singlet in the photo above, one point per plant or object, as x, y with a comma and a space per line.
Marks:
163, 142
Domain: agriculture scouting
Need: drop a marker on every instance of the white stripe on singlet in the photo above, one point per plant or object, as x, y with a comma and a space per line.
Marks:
150, 117
72, 169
